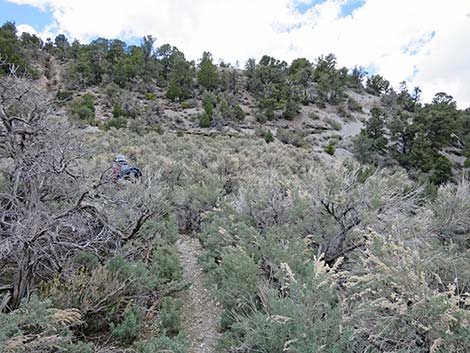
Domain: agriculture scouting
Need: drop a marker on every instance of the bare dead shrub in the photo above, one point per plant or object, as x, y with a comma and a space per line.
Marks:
51, 207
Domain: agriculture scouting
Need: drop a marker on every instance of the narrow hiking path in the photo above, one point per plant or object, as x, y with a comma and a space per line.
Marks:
200, 312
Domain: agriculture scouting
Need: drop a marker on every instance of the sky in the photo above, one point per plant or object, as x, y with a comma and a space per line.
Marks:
423, 42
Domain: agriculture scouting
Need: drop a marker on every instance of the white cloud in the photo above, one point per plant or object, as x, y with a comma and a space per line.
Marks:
49, 31
393, 36
26, 28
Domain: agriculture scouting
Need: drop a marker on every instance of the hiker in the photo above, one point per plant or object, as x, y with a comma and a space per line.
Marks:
122, 170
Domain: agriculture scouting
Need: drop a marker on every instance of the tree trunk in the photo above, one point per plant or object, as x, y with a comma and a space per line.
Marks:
22, 282
334, 248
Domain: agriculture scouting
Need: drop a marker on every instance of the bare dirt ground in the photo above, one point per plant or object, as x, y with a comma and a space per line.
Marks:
200, 312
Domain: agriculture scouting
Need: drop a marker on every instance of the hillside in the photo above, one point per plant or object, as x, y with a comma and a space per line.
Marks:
311, 126
282, 208
305, 103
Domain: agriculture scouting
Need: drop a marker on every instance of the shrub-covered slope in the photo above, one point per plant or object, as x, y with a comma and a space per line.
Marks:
331, 210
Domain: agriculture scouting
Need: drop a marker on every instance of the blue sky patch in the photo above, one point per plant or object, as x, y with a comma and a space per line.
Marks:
371, 70
24, 14
132, 40
415, 47
412, 76
303, 7
348, 8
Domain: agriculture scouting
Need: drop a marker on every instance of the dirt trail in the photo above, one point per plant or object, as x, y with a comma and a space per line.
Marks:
200, 312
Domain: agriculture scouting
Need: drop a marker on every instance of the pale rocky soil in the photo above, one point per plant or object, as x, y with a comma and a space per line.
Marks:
200, 311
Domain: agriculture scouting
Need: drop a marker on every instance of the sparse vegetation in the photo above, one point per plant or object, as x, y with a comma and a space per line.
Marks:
170, 316
303, 253
330, 148
336, 125
354, 106
294, 138
83, 108
268, 136
313, 116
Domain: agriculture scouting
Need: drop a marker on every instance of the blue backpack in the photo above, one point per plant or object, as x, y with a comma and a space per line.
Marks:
125, 170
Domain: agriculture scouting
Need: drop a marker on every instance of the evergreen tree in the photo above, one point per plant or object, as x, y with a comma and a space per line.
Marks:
301, 72
11, 50
330, 81
375, 130
208, 76
167, 56
438, 120
151, 65
377, 85
117, 51
421, 155
357, 77
403, 132
405, 100
229, 80
442, 171
174, 91
61, 46
180, 79
31, 41
147, 47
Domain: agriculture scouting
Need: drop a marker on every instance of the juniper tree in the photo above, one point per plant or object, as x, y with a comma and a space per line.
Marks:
207, 75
